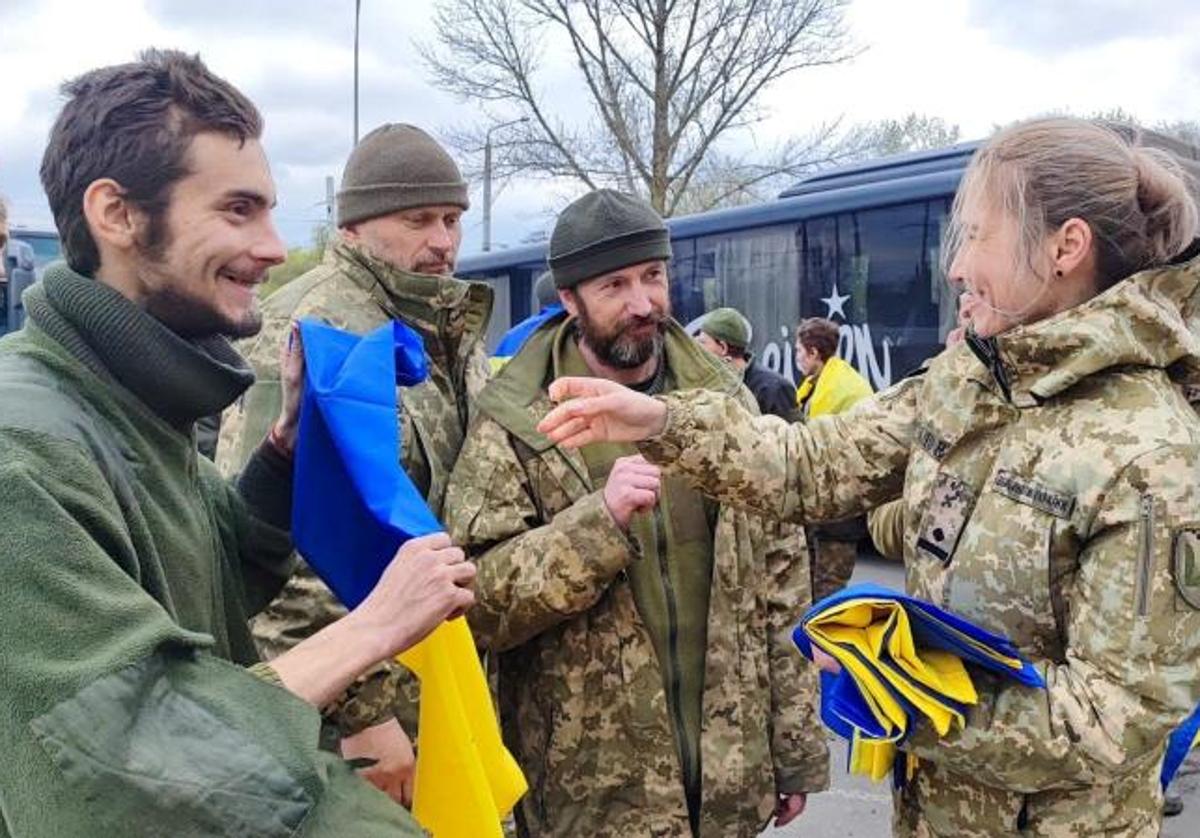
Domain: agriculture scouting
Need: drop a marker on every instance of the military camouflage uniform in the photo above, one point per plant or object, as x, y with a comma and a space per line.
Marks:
1051, 489
886, 526
582, 697
356, 292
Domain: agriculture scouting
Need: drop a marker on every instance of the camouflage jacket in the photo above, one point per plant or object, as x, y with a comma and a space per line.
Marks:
1051, 490
356, 292
582, 698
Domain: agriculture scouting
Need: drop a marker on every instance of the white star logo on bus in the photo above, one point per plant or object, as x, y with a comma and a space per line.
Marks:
836, 302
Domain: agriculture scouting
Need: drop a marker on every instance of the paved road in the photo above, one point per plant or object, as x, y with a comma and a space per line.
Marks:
857, 808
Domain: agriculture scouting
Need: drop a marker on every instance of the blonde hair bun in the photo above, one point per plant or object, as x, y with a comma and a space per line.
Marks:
1164, 195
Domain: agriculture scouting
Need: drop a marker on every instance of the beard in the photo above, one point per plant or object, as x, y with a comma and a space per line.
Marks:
183, 313
617, 346
190, 318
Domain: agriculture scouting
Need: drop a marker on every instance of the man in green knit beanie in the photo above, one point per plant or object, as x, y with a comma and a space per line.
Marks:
647, 681
133, 698
399, 214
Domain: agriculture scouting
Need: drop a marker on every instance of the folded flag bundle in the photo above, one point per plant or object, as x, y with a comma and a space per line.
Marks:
901, 659
353, 508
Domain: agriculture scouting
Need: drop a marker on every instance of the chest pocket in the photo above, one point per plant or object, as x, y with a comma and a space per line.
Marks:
1015, 559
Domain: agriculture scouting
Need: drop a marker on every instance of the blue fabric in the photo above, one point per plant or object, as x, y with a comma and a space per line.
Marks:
1178, 745
353, 504
515, 337
843, 708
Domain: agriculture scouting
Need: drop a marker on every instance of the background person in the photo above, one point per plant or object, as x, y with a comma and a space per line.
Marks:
830, 386
726, 333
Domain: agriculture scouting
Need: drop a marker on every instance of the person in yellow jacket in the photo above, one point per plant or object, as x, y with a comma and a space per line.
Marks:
830, 386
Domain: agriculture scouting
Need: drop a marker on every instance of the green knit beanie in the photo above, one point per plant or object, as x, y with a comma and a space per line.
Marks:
397, 167
728, 326
544, 291
602, 232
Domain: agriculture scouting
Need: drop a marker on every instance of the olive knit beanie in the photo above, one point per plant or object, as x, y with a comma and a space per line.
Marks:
602, 232
397, 167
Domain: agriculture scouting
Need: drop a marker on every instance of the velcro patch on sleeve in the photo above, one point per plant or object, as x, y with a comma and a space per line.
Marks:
931, 443
1185, 565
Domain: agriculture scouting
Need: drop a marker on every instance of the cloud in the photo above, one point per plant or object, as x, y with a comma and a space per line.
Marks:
1062, 26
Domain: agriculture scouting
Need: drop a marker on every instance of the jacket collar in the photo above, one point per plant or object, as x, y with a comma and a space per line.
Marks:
179, 379
449, 313
516, 397
1151, 319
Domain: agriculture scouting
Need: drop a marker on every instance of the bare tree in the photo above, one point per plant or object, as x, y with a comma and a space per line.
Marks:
666, 82
914, 132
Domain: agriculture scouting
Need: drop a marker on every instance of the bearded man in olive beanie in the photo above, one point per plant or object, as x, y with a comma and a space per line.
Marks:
647, 685
399, 215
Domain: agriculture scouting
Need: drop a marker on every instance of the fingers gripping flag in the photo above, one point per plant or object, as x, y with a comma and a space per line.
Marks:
353, 508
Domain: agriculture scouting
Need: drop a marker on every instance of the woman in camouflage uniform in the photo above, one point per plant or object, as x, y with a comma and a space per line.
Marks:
1050, 474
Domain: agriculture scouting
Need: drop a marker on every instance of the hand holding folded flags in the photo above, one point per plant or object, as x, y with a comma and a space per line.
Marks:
901, 660
353, 508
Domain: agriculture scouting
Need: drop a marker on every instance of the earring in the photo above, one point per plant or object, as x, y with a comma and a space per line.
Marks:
1058, 273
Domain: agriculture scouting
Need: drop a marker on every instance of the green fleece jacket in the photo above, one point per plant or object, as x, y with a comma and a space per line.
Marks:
128, 570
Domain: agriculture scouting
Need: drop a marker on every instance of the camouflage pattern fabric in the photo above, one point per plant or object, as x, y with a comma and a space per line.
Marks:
581, 692
886, 526
1049, 490
831, 562
357, 292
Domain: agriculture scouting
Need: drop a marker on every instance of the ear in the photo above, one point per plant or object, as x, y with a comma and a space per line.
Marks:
567, 297
1071, 246
350, 232
111, 219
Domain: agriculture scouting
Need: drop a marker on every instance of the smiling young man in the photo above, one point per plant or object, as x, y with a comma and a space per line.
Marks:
647, 681
133, 699
399, 229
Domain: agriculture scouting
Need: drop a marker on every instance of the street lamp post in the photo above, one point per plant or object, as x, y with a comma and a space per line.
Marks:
487, 180
357, 9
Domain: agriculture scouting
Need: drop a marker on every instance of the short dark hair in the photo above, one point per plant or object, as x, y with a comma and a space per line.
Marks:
133, 123
819, 334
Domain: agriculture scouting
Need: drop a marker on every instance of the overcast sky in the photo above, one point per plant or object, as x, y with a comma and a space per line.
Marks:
976, 63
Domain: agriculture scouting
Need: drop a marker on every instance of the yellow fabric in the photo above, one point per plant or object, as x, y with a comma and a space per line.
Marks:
838, 388
871, 758
873, 640
467, 782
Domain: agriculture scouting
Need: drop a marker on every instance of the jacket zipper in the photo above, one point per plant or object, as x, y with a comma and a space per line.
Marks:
660, 540
1145, 564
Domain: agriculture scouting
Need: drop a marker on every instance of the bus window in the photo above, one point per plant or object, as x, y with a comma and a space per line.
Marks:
684, 296
875, 272
755, 271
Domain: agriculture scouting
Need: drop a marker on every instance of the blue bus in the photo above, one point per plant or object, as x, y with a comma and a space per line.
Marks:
859, 244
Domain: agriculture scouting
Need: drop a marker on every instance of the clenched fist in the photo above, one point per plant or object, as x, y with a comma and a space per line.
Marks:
632, 486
